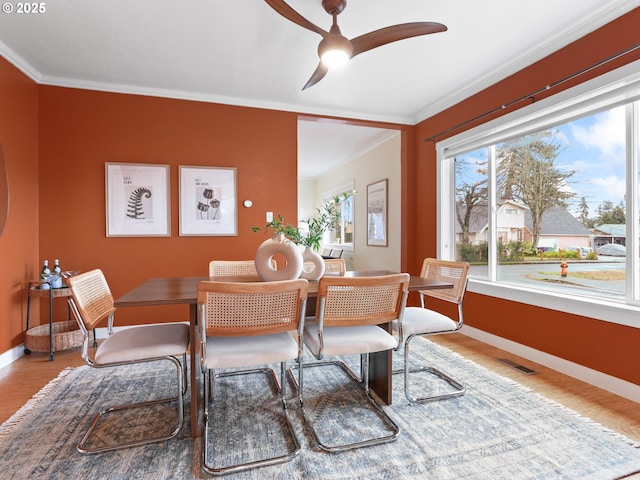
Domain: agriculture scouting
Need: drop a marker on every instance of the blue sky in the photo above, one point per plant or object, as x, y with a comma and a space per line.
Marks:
593, 147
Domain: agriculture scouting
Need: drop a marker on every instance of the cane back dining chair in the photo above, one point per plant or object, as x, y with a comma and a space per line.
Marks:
422, 321
223, 268
349, 312
235, 268
334, 266
249, 324
91, 302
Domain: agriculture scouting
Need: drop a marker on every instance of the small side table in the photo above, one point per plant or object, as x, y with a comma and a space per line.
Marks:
35, 290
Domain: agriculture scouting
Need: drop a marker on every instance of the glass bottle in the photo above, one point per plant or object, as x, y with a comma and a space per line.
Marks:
56, 280
45, 275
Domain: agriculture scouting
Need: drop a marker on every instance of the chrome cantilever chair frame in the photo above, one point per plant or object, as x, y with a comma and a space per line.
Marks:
232, 312
421, 321
339, 301
91, 301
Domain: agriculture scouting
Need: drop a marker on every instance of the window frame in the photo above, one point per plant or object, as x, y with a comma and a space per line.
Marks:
327, 195
615, 88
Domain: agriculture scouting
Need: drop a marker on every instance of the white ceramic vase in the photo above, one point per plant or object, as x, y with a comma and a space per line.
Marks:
278, 244
313, 264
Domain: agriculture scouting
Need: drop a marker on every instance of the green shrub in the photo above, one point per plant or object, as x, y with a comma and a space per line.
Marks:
561, 254
513, 251
473, 253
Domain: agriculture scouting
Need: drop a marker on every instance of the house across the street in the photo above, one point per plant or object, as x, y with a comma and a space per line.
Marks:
559, 230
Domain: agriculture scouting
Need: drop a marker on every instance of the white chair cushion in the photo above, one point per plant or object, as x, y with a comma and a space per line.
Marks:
418, 320
348, 340
146, 341
236, 352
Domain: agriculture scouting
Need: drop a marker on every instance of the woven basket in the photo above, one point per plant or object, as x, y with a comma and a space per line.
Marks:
66, 335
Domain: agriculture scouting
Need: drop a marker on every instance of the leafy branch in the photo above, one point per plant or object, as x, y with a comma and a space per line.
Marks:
277, 225
327, 218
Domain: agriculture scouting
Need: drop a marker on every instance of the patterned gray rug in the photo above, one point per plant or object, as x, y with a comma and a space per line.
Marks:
498, 430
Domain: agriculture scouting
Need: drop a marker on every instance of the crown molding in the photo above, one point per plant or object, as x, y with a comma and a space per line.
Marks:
221, 99
20, 63
529, 57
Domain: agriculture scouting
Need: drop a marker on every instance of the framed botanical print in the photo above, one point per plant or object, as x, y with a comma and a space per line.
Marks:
208, 201
137, 200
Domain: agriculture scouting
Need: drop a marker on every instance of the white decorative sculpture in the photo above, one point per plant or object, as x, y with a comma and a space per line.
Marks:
278, 244
313, 264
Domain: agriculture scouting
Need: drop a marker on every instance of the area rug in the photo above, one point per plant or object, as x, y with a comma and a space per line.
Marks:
497, 430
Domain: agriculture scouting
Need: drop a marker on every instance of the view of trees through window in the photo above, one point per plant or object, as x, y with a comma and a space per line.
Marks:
553, 205
342, 231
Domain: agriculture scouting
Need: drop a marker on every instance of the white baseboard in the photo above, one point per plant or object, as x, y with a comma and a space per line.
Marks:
11, 355
610, 383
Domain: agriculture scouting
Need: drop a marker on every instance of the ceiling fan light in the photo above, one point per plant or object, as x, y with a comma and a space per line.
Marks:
335, 58
335, 50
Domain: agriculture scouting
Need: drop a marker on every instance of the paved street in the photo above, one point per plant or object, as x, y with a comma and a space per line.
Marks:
546, 274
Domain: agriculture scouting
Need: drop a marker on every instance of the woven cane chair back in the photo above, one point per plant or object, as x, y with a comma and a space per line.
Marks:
232, 268
334, 266
446, 271
354, 301
252, 308
92, 297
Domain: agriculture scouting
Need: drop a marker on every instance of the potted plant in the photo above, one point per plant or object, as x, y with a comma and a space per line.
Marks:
327, 218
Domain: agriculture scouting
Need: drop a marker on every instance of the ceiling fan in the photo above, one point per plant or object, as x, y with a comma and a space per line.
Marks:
335, 49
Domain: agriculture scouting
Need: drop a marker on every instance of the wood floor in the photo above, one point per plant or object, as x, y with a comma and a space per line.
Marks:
26, 376
22, 379
599, 405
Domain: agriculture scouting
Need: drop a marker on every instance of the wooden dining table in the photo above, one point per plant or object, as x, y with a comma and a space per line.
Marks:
184, 290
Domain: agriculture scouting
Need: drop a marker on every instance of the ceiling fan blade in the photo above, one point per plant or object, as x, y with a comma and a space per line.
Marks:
394, 33
318, 75
289, 13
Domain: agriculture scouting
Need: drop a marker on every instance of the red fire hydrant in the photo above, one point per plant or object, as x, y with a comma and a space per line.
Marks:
563, 268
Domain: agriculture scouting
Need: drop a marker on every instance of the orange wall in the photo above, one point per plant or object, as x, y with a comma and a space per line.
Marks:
603, 346
81, 130
57, 141
19, 242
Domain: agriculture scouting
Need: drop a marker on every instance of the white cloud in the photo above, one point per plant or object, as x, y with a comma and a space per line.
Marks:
562, 138
612, 188
576, 166
607, 133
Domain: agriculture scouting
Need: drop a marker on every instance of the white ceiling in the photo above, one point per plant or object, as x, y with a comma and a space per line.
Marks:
242, 52
324, 145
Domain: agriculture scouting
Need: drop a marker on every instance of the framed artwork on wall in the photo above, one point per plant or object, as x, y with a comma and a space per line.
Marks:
208, 201
137, 200
377, 213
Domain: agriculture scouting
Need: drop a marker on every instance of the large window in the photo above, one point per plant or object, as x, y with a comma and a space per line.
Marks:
340, 199
543, 203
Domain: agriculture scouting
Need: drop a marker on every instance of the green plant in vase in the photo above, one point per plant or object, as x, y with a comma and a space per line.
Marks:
277, 225
327, 218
